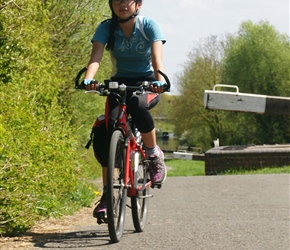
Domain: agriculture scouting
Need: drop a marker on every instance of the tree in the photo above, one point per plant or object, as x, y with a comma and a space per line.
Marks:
202, 71
257, 59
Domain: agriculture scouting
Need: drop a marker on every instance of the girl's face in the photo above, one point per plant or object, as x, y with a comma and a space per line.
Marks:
125, 8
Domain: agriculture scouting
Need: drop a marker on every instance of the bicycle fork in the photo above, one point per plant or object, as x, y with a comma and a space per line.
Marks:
137, 182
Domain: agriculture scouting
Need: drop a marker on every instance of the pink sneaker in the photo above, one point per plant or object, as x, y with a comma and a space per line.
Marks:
157, 168
100, 211
101, 207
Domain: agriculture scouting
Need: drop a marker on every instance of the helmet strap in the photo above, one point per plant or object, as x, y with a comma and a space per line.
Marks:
129, 18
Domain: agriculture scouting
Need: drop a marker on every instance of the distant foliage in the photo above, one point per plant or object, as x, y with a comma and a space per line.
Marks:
257, 59
193, 124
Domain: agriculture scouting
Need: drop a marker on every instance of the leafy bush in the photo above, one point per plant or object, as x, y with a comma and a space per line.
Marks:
41, 174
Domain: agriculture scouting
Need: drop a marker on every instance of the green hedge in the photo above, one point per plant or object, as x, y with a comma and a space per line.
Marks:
42, 172
38, 167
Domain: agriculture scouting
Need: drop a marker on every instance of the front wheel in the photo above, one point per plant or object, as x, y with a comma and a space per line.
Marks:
116, 193
140, 202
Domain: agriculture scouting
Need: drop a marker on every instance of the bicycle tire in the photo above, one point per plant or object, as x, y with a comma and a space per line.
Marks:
139, 204
116, 193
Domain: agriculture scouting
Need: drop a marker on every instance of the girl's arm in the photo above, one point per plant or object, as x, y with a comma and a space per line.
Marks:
94, 63
156, 58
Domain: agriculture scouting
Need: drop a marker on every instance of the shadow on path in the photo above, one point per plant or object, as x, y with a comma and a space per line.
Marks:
72, 240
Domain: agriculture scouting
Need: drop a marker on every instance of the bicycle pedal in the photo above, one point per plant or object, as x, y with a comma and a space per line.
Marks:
156, 185
101, 218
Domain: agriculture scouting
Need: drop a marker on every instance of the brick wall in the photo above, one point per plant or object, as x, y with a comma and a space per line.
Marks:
246, 156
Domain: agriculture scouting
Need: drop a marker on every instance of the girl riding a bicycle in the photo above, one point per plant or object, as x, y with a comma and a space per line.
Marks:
135, 45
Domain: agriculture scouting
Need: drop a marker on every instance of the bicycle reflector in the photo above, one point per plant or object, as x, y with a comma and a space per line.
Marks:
113, 85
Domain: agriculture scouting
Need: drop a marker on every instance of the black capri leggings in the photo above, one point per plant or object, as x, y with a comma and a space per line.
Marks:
138, 106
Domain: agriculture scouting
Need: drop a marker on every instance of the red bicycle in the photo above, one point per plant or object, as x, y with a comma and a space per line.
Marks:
128, 166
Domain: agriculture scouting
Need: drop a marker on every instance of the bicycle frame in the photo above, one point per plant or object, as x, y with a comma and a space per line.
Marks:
122, 124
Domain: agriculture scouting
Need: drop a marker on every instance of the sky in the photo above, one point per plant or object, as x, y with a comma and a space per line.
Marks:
187, 21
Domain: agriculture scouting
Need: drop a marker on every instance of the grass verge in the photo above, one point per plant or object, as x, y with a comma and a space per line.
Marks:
177, 167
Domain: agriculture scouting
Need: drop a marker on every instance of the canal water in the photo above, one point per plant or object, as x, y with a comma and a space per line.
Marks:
168, 143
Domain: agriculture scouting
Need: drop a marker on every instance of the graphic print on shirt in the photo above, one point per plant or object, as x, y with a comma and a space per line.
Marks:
133, 43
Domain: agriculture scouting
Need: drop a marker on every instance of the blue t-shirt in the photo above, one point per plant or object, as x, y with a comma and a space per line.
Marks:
131, 57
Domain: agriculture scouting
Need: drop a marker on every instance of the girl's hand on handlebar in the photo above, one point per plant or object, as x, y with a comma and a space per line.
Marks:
157, 87
90, 84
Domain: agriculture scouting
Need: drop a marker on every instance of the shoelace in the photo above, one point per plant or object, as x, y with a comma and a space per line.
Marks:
103, 199
157, 164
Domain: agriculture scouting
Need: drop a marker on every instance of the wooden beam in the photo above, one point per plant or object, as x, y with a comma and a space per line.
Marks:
243, 102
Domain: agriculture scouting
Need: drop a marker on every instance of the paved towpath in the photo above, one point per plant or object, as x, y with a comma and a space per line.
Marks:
207, 212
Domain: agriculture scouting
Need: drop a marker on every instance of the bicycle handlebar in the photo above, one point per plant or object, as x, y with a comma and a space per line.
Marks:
111, 85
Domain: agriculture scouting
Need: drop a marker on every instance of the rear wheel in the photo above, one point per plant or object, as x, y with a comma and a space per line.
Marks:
116, 193
140, 202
